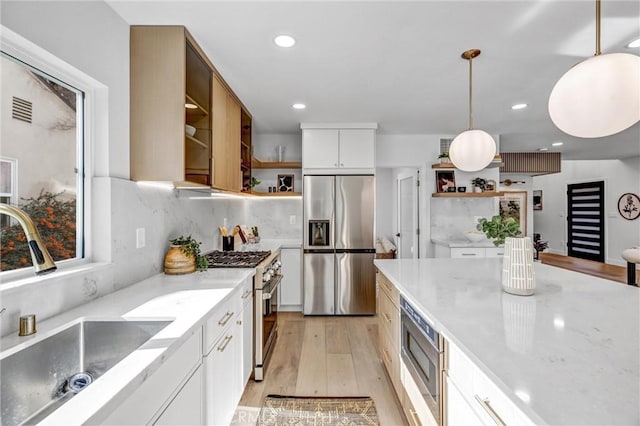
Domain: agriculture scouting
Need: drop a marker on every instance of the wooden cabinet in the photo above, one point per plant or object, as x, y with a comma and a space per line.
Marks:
291, 285
343, 150
174, 85
389, 329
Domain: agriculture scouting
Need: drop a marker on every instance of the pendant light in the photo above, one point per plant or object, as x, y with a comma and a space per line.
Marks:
473, 149
599, 96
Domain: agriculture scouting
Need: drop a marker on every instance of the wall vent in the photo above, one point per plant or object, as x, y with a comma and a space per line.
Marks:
530, 163
21, 109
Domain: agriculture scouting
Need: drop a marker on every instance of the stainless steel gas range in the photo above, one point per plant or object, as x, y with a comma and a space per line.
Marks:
265, 297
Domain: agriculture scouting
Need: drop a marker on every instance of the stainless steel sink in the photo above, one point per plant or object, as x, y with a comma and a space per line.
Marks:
40, 378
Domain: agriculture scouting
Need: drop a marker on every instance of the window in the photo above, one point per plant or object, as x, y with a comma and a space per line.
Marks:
43, 134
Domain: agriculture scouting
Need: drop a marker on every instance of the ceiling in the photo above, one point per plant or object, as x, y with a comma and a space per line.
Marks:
398, 63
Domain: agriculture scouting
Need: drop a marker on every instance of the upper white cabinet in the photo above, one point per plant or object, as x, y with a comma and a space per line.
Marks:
338, 148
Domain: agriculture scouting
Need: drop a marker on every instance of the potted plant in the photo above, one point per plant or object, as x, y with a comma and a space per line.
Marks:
499, 229
184, 257
479, 184
444, 157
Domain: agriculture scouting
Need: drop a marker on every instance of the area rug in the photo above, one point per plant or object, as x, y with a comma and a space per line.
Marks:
299, 411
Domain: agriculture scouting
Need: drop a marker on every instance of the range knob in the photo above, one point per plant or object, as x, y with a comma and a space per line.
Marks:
266, 277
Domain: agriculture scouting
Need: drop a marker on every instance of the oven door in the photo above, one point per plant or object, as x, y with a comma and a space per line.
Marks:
266, 323
422, 360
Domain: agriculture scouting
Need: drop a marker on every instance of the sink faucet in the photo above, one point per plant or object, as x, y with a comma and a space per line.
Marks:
42, 261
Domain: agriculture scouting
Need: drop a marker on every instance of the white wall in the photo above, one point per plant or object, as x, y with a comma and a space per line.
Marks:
620, 176
384, 197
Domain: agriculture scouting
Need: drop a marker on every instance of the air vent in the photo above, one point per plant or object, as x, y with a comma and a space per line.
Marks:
530, 163
21, 109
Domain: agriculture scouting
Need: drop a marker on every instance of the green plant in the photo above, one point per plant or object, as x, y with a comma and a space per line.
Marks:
443, 155
499, 229
191, 247
479, 182
254, 182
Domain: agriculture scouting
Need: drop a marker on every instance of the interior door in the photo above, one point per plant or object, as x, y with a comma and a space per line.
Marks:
585, 220
407, 216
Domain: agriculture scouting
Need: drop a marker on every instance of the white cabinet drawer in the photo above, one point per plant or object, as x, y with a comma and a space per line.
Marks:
490, 403
494, 251
244, 294
220, 319
460, 370
463, 252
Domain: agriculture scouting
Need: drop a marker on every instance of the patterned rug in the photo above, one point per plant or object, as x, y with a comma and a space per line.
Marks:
300, 411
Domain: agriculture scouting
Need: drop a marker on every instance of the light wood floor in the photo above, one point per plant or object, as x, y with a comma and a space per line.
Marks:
590, 267
324, 356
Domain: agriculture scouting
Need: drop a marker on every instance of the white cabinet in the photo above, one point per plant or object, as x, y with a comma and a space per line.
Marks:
186, 407
246, 321
468, 252
338, 150
291, 285
459, 413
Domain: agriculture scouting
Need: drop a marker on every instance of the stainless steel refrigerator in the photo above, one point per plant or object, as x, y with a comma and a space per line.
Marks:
339, 276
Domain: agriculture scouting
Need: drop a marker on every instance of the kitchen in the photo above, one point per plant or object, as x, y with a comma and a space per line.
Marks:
103, 54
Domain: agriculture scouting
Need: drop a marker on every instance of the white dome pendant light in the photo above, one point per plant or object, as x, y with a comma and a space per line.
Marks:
473, 149
599, 96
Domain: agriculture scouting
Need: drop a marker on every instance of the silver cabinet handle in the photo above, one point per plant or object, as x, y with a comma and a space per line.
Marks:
246, 294
335, 164
489, 409
224, 344
225, 319
341, 164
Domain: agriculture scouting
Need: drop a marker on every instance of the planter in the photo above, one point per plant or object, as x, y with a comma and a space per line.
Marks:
477, 189
517, 268
178, 263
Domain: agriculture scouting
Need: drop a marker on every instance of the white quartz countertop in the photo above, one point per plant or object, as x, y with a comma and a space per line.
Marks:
568, 355
187, 300
461, 243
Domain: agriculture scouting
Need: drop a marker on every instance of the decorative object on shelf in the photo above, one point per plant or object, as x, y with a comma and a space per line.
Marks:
599, 96
514, 204
537, 199
509, 182
499, 228
490, 185
473, 149
451, 189
256, 234
462, 189
184, 257
280, 153
475, 236
254, 182
479, 184
444, 158
190, 130
285, 183
539, 245
518, 276
445, 179
629, 206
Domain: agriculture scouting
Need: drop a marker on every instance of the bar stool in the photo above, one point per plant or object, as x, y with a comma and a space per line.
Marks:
632, 256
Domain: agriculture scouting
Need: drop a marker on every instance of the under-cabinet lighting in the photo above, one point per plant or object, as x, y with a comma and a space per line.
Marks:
635, 43
519, 106
190, 106
154, 184
284, 40
298, 106
557, 144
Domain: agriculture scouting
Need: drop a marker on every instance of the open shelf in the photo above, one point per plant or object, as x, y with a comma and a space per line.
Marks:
196, 141
194, 114
467, 194
257, 164
496, 162
276, 194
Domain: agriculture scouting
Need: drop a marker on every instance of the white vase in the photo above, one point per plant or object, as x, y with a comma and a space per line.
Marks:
517, 267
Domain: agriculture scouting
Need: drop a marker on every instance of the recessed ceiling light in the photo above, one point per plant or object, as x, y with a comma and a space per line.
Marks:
557, 144
298, 106
284, 41
634, 43
519, 106
543, 149
190, 106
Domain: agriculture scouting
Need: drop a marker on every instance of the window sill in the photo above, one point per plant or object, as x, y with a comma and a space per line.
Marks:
25, 278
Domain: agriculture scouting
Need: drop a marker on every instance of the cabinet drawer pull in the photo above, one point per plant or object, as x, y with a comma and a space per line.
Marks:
489, 409
225, 319
414, 416
224, 344
469, 254
246, 294
386, 317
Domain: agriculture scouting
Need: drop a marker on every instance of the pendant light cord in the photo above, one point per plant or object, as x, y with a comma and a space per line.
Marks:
470, 93
598, 51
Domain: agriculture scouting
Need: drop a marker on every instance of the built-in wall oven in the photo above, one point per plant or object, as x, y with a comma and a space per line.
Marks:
266, 283
423, 353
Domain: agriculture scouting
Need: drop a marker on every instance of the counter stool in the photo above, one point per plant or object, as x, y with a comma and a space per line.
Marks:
632, 256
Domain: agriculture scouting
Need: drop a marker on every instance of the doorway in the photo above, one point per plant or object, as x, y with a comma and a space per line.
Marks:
585, 220
407, 215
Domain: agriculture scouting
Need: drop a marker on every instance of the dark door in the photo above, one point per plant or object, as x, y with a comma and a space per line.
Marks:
585, 220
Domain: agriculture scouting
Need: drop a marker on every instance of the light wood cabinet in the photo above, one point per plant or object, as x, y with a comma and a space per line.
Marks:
331, 150
173, 84
389, 329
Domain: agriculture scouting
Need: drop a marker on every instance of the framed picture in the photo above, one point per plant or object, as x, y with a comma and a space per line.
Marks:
514, 204
285, 183
445, 179
629, 206
537, 199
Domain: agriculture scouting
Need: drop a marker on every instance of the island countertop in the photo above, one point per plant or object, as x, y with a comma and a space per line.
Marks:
569, 354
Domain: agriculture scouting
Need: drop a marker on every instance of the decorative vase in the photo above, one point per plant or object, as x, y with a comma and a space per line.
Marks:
517, 268
477, 189
177, 263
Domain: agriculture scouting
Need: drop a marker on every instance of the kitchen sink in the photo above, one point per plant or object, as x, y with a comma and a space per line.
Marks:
44, 375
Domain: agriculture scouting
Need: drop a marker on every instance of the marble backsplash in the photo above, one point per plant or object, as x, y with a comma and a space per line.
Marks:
452, 217
120, 207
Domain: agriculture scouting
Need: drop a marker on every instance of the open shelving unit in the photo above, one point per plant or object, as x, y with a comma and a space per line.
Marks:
257, 164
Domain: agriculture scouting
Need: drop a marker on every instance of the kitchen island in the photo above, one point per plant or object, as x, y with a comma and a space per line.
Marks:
568, 355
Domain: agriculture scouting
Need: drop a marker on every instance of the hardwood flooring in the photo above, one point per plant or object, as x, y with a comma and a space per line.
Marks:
324, 356
597, 269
